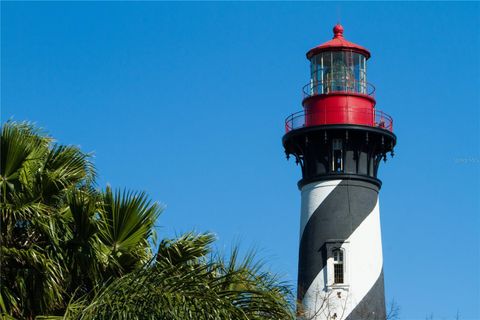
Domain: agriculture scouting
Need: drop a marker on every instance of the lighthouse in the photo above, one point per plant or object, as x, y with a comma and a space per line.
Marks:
339, 140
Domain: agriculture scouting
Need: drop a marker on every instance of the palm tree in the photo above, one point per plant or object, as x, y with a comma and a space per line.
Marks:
187, 282
71, 251
34, 177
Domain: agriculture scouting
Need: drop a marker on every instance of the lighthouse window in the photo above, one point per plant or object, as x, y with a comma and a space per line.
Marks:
360, 74
337, 155
338, 263
317, 73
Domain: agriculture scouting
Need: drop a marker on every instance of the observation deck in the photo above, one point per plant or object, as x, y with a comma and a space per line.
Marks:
375, 118
339, 101
302, 119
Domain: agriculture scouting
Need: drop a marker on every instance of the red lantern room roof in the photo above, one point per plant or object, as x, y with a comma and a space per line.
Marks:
338, 43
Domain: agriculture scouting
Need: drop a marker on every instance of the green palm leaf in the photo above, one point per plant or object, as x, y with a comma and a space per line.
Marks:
83, 247
127, 221
183, 283
21, 148
64, 166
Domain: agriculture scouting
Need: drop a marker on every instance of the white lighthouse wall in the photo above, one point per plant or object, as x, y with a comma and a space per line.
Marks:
366, 259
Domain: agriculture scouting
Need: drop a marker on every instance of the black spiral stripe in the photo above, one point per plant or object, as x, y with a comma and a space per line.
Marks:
372, 305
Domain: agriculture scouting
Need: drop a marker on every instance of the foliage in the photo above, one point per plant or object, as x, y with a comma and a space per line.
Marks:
184, 284
71, 251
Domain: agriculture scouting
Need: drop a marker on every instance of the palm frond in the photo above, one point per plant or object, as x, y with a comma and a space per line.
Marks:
184, 283
188, 247
26, 265
64, 167
21, 148
83, 247
127, 221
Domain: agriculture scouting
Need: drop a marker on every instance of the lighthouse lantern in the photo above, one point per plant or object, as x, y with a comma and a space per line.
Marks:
338, 71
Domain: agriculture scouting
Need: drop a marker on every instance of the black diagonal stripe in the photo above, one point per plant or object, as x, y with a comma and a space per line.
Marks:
336, 217
372, 306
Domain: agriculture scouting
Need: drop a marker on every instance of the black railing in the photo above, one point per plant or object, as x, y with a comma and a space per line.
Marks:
372, 118
338, 86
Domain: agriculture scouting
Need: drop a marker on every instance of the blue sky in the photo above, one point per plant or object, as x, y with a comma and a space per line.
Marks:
187, 101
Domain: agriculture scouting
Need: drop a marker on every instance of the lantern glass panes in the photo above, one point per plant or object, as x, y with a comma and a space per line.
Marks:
338, 71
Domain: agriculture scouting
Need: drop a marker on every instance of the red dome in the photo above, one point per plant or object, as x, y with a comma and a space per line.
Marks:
338, 43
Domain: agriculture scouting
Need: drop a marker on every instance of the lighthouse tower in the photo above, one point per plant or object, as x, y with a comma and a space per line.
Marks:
339, 140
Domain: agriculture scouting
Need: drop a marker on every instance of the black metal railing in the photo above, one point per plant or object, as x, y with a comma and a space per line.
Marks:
338, 86
373, 118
